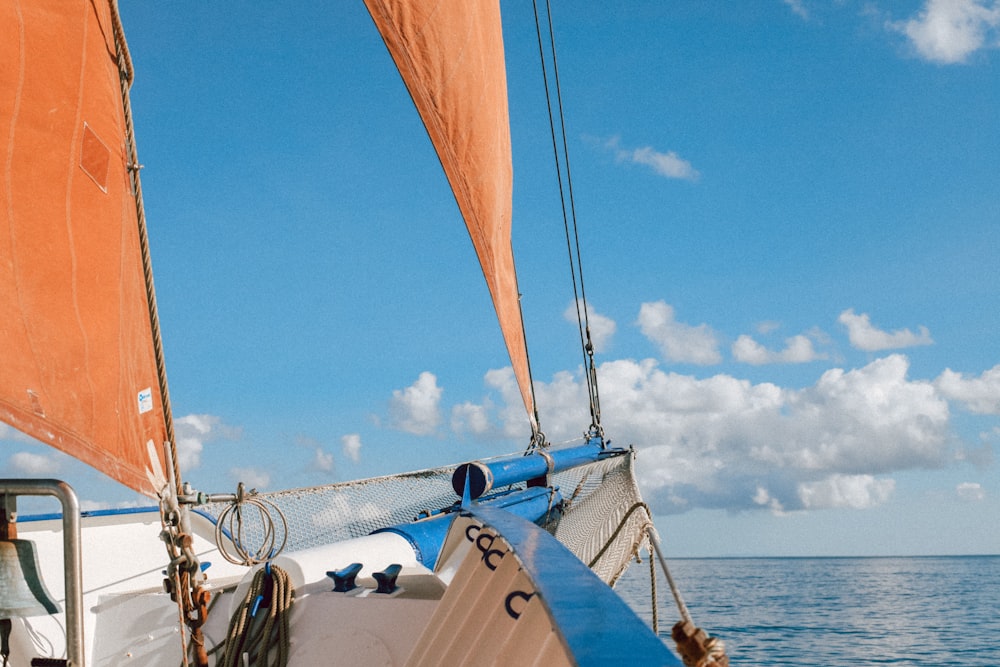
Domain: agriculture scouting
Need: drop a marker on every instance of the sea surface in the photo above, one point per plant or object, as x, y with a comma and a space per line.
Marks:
928, 611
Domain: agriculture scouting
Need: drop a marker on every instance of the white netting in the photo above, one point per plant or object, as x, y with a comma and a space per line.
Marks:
325, 514
603, 522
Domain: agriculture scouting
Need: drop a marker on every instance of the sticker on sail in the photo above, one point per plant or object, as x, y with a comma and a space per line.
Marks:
145, 400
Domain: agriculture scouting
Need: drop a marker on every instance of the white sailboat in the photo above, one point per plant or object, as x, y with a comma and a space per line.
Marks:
505, 561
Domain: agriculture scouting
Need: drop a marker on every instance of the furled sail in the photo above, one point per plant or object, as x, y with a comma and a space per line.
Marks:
450, 54
79, 370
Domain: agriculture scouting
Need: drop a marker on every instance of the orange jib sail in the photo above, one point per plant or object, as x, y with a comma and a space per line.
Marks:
450, 55
78, 368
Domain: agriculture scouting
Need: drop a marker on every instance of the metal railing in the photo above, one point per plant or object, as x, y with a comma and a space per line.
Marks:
72, 559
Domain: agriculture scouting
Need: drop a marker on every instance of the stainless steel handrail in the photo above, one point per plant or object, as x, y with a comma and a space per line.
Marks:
72, 559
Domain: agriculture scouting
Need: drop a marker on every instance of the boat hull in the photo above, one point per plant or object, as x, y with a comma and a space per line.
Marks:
504, 591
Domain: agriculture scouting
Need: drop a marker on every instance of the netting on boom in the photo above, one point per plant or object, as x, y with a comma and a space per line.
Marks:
603, 522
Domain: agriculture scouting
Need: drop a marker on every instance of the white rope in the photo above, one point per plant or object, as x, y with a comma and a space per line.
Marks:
654, 539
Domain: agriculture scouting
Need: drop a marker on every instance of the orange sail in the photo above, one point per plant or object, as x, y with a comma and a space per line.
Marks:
79, 370
450, 54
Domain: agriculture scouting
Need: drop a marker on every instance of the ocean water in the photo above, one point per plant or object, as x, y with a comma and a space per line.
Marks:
927, 611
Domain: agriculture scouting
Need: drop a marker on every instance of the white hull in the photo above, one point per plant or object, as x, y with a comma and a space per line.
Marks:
480, 606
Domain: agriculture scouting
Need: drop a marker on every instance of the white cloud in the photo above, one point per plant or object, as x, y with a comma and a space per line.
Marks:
505, 418
852, 491
252, 478
27, 463
669, 165
949, 31
601, 328
728, 443
763, 498
416, 409
678, 341
979, 395
865, 336
871, 419
798, 8
563, 407
798, 350
471, 418
193, 431
8, 432
511, 415
322, 460
767, 327
970, 491
350, 445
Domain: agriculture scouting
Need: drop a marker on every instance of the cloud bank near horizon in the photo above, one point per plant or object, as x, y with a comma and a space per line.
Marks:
718, 441
727, 443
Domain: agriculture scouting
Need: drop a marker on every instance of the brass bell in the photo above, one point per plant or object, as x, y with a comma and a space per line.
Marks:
22, 591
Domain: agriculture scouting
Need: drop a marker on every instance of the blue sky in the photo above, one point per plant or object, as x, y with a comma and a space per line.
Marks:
789, 220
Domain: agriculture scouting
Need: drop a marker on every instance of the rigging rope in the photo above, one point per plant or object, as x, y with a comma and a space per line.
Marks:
654, 540
184, 574
537, 436
572, 239
696, 647
127, 75
652, 593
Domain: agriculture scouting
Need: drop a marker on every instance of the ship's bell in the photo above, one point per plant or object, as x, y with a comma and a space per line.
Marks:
22, 591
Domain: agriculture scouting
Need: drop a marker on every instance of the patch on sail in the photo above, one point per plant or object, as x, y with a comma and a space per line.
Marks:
95, 158
36, 403
145, 400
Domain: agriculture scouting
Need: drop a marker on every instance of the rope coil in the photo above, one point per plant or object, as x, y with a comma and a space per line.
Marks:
233, 523
256, 637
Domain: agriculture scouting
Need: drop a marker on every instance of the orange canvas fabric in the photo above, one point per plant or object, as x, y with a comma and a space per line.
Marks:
77, 365
450, 54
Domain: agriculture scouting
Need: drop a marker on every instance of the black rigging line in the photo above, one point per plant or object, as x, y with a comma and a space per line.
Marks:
575, 260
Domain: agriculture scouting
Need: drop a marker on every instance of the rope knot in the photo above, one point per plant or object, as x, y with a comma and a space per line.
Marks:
697, 648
